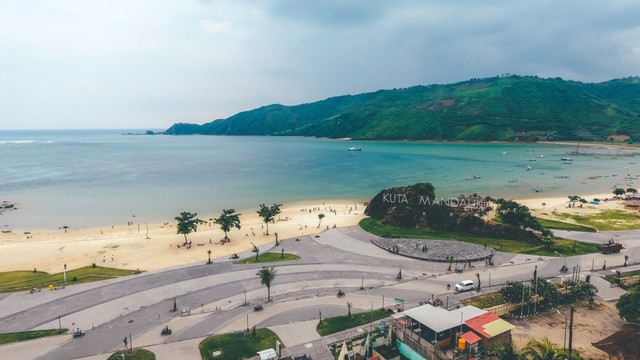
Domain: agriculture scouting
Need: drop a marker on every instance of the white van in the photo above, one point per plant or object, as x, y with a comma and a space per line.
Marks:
464, 285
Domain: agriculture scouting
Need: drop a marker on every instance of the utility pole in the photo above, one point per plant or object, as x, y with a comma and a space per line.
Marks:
570, 331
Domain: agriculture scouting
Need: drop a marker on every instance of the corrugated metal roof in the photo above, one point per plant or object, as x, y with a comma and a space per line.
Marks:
470, 337
489, 325
439, 319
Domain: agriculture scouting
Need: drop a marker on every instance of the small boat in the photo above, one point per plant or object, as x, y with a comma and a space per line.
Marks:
541, 156
511, 181
562, 176
353, 148
504, 153
529, 168
537, 189
567, 159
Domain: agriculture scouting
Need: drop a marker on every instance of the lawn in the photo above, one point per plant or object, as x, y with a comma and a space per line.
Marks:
7, 338
137, 354
561, 225
14, 281
563, 247
335, 324
611, 278
269, 257
606, 220
232, 348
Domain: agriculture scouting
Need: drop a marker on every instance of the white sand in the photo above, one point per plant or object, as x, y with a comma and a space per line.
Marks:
129, 248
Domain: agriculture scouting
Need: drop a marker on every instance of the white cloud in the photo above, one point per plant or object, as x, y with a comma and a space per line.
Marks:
148, 64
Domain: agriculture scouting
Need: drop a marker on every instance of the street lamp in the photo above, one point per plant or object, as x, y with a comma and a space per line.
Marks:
564, 341
65, 265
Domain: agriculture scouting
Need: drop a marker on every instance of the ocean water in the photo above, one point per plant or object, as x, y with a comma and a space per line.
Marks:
100, 178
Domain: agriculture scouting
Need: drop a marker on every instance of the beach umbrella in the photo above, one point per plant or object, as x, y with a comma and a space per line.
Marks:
343, 351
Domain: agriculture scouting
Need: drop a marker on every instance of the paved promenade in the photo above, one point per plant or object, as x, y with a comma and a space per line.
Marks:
215, 294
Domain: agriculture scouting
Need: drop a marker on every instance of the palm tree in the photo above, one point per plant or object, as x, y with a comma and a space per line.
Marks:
508, 351
187, 223
541, 349
268, 213
209, 252
266, 275
228, 220
320, 217
349, 305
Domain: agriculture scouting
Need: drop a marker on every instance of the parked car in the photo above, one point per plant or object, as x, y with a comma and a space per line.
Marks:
464, 285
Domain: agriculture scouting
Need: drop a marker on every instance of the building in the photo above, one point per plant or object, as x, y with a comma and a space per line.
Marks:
429, 332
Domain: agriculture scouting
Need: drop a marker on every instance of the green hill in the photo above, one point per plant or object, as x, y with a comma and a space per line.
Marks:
501, 108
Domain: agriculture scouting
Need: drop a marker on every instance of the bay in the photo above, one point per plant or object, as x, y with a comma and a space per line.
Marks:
94, 178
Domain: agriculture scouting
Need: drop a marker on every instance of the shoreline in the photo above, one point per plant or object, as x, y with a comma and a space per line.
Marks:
131, 247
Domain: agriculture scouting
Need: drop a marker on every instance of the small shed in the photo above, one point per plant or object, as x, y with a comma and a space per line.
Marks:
491, 329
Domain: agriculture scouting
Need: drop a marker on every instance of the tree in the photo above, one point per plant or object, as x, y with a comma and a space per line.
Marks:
581, 290
513, 213
320, 217
628, 306
512, 292
266, 275
541, 349
507, 351
268, 213
209, 252
349, 305
228, 220
631, 191
618, 192
187, 223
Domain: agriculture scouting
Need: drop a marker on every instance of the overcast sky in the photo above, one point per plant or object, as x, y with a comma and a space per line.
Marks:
146, 64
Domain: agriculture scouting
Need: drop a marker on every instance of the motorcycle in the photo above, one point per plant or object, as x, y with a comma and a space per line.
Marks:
340, 293
78, 333
166, 331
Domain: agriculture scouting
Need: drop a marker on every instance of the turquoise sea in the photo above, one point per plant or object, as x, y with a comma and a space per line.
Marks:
96, 178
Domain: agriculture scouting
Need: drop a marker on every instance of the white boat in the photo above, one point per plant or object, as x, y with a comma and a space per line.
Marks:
567, 159
353, 148
528, 168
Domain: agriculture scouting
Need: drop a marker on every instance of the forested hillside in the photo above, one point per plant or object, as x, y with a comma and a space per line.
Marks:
501, 108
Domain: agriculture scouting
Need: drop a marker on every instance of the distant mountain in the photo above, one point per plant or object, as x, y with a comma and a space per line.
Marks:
523, 108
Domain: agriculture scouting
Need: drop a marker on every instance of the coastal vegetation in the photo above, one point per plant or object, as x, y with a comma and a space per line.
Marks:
335, 324
14, 281
562, 225
505, 108
239, 345
269, 257
6, 338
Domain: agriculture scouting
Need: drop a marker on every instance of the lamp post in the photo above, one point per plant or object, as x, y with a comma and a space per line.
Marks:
61, 248
564, 341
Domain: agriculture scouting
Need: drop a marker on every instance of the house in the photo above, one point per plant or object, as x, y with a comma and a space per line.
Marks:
429, 332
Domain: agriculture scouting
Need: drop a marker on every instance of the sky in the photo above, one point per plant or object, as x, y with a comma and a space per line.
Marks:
147, 64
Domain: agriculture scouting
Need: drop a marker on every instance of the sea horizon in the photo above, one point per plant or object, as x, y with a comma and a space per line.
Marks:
99, 177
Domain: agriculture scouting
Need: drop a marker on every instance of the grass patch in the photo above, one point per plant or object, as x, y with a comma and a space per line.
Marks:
485, 301
13, 281
233, 349
7, 338
136, 354
269, 257
611, 278
561, 225
335, 324
606, 220
563, 247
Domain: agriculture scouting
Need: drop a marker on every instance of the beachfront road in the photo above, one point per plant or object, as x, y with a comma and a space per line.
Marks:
215, 294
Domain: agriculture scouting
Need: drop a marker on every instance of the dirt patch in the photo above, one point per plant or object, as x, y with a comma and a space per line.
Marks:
590, 324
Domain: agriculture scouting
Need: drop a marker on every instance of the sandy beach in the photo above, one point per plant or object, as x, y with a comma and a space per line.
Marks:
132, 247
